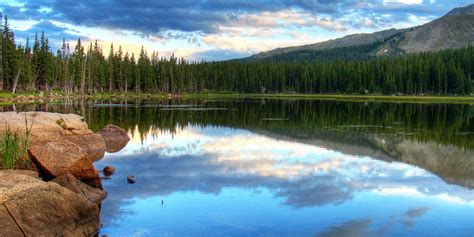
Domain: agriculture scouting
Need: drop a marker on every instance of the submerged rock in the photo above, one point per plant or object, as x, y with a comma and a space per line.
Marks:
109, 170
70, 182
131, 179
115, 138
31, 207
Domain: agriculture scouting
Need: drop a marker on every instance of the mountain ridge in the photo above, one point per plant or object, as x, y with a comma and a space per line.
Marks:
453, 30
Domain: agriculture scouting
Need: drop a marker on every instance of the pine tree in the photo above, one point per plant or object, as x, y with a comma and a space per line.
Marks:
9, 56
111, 62
1, 52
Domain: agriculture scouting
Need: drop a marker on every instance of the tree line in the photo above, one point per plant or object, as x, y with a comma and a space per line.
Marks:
85, 69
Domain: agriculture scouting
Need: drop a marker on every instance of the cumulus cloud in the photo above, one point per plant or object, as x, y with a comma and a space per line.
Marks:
54, 32
184, 24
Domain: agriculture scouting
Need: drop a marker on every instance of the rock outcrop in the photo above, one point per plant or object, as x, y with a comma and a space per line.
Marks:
92, 144
32, 207
70, 182
30, 173
48, 127
63, 143
58, 158
63, 149
115, 138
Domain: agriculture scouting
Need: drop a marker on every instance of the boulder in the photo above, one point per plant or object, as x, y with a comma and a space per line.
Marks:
115, 138
44, 124
70, 182
31, 207
30, 173
131, 179
47, 127
58, 158
92, 144
109, 170
9, 227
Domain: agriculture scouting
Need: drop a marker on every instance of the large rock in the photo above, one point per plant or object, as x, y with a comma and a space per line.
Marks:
46, 127
92, 144
58, 158
59, 143
45, 124
70, 182
9, 227
30, 173
115, 138
31, 207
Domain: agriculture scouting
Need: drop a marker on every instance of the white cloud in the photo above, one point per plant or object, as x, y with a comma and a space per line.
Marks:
406, 2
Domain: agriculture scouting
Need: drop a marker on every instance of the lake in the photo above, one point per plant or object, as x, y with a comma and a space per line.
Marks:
270, 167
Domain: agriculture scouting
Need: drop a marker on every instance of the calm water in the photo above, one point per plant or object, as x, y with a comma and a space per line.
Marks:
287, 168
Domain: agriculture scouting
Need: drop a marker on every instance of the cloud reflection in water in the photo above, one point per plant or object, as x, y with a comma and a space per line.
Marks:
299, 176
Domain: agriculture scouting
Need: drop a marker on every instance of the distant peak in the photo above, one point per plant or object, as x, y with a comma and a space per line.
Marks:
461, 11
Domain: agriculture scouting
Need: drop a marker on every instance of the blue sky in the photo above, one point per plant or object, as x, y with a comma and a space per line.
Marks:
214, 29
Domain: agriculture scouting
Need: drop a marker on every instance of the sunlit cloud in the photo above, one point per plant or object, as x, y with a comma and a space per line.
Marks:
214, 30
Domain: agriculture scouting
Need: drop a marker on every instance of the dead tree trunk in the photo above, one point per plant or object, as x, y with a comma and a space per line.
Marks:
15, 82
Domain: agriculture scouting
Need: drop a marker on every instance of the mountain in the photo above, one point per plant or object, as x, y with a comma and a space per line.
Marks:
345, 42
453, 30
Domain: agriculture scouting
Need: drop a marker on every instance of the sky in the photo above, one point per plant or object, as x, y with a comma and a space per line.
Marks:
213, 29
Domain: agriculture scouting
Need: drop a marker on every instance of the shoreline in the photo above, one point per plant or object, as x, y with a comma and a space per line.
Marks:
60, 194
7, 99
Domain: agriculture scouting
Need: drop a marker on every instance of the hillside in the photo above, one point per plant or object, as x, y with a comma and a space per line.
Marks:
453, 30
347, 41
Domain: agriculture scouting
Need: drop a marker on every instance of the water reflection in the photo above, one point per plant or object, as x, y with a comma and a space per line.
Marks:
286, 167
224, 166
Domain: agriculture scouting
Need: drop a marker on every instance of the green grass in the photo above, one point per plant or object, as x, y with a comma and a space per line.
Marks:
223, 95
8, 95
375, 97
5, 94
14, 146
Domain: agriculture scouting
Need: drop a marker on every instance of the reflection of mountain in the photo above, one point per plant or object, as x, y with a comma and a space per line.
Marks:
453, 164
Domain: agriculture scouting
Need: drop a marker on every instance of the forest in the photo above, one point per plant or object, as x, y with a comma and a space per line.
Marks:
87, 69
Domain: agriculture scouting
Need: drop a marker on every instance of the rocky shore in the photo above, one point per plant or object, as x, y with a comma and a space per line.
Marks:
62, 196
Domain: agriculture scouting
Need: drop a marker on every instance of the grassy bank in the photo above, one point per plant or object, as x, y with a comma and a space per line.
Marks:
35, 98
382, 98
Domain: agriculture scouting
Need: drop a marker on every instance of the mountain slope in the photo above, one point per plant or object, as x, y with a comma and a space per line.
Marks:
454, 30
347, 41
